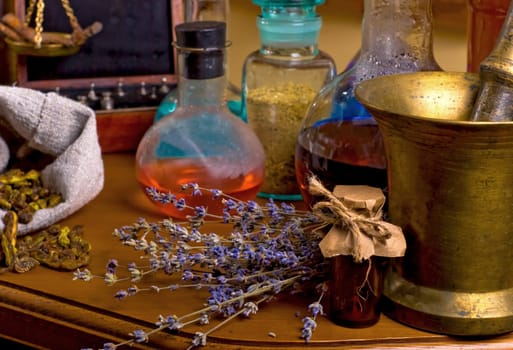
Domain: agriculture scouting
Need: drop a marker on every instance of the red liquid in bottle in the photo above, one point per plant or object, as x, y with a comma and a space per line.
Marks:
168, 175
355, 291
346, 154
340, 154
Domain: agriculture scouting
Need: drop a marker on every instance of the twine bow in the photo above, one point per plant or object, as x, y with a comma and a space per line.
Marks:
353, 232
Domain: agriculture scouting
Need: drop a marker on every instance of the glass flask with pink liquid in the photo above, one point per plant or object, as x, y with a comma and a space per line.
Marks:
201, 141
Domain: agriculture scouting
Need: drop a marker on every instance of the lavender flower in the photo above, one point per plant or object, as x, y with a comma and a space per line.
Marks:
271, 249
121, 294
84, 275
111, 266
140, 336
199, 339
316, 308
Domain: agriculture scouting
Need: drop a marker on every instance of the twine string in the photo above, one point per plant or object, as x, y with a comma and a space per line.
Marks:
334, 211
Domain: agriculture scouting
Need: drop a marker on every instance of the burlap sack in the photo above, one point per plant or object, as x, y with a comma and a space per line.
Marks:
64, 129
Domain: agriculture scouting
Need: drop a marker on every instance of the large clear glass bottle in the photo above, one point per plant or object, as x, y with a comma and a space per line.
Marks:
279, 82
339, 141
201, 141
193, 11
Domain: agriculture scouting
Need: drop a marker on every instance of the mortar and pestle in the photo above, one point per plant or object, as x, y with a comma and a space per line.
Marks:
450, 178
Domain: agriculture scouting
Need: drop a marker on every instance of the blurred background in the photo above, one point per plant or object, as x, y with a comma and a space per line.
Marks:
340, 34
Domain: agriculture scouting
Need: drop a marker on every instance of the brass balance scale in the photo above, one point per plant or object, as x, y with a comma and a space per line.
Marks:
25, 40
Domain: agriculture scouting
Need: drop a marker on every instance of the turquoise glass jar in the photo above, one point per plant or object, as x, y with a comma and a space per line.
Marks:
279, 81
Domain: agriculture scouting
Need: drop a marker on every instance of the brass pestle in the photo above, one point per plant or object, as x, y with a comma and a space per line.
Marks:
495, 97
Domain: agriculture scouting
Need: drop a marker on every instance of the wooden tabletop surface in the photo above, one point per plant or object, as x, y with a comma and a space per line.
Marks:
46, 309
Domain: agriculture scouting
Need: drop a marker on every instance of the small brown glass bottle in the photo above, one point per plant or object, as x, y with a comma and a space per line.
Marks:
355, 290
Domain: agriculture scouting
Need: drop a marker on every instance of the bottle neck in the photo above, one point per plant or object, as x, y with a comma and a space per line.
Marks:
206, 10
200, 87
400, 29
289, 31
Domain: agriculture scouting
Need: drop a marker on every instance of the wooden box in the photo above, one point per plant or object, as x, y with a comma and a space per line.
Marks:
132, 53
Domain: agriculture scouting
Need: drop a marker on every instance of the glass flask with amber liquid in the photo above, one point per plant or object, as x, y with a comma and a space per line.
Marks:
279, 81
339, 141
201, 141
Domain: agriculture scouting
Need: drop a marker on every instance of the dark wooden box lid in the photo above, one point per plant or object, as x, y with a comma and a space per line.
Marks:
134, 46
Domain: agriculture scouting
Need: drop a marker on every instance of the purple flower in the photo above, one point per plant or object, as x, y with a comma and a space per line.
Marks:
195, 235
207, 277
196, 258
216, 193
121, 294
132, 291
253, 207
173, 323
167, 198
200, 212
309, 322
309, 325
222, 279
111, 266
83, 275
316, 309
226, 215
250, 308
187, 275
306, 334
204, 319
288, 208
200, 339
234, 253
195, 189
230, 204
140, 336
152, 192
180, 204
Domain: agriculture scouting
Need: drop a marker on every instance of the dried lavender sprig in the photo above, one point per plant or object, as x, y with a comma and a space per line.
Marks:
316, 309
200, 338
269, 251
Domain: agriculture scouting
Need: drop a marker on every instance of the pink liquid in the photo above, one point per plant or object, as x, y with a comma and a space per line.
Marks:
168, 175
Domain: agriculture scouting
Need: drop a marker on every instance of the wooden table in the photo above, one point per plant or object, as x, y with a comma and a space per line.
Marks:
46, 309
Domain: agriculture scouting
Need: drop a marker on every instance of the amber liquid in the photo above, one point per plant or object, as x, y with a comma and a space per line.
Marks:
340, 154
355, 291
168, 175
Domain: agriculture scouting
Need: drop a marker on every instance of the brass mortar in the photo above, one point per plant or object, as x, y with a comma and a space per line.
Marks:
451, 190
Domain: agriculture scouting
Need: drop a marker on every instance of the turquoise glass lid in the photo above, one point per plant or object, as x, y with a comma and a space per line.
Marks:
289, 23
294, 3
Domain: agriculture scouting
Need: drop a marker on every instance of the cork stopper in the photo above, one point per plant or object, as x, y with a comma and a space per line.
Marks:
204, 42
